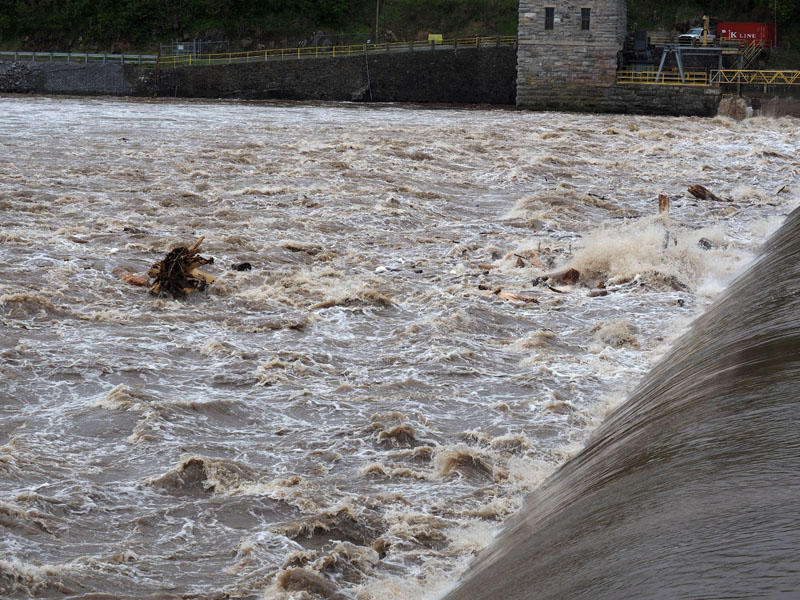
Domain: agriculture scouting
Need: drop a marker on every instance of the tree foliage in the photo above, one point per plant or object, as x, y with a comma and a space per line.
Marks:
143, 24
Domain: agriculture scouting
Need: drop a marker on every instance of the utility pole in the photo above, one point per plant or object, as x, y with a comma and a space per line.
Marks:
377, 17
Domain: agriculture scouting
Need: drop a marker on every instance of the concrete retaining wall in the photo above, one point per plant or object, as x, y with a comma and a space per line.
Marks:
632, 99
462, 75
465, 75
67, 78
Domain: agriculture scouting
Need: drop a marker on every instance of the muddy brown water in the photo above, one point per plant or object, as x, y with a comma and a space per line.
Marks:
689, 489
358, 414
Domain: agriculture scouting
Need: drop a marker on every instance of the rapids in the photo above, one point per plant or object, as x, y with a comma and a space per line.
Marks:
359, 414
689, 489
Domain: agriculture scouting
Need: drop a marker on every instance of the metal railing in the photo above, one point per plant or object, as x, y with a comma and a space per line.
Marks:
754, 77
78, 57
752, 51
691, 78
273, 54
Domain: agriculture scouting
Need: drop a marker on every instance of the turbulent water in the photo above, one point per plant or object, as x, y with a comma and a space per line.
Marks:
688, 490
358, 414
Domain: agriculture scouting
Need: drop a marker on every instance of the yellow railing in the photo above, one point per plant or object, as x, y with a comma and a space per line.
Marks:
272, 54
751, 52
695, 78
753, 77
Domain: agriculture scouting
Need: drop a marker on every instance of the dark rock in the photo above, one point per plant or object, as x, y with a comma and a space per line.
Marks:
705, 244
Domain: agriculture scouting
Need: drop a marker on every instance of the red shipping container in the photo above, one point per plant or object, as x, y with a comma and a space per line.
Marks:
763, 33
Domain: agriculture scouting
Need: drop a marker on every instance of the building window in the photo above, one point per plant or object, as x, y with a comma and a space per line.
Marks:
585, 16
549, 17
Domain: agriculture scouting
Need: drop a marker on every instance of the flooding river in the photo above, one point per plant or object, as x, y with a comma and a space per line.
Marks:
359, 413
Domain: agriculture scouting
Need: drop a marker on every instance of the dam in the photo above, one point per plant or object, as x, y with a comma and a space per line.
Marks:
689, 489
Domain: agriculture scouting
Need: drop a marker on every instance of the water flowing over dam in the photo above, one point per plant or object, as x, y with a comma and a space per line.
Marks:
358, 414
688, 490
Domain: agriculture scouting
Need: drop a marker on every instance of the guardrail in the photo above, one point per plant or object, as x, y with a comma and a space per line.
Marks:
79, 57
754, 77
660, 40
273, 54
182, 60
691, 78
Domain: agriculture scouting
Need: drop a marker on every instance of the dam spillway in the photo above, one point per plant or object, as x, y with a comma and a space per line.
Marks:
689, 490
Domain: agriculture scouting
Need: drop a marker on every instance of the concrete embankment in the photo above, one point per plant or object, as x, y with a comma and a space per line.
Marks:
462, 75
486, 75
88, 79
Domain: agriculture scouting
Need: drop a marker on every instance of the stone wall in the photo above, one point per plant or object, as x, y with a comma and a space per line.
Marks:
565, 65
463, 75
66, 78
466, 75
566, 57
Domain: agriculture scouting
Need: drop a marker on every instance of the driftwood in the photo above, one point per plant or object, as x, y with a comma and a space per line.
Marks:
177, 274
130, 278
569, 276
515, 297
512, 296
701, 193
663, 204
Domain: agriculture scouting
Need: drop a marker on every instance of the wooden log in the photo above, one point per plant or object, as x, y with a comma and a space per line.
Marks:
569, 276
513, 296
130, 278
178, 274
702, 193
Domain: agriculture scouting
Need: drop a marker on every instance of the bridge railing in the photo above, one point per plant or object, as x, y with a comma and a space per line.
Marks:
754, 77
273, 54
691, 78
78, 57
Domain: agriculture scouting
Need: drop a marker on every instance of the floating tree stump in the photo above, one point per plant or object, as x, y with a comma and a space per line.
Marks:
178, 274
701, 193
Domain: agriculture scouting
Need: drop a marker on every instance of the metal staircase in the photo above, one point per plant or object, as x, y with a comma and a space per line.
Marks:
751, 52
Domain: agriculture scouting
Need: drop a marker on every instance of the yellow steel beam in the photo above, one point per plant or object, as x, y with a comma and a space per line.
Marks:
755, 77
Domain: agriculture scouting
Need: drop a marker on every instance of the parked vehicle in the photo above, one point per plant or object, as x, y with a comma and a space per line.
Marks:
695, 36
744, 33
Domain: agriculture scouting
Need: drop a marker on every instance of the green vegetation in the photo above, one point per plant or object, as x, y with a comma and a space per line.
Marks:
681, 14
142, 25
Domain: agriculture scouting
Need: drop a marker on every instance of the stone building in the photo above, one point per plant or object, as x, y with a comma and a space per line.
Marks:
568, 53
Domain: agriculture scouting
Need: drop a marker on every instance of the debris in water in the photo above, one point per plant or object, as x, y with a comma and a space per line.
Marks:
513, 296
701, 193
307, 581
705, 243
177, 273
570, 276
244, 266
128, 277
663, 204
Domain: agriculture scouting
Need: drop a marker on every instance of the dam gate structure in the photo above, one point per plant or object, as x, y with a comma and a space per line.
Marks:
567, 53
568, 57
